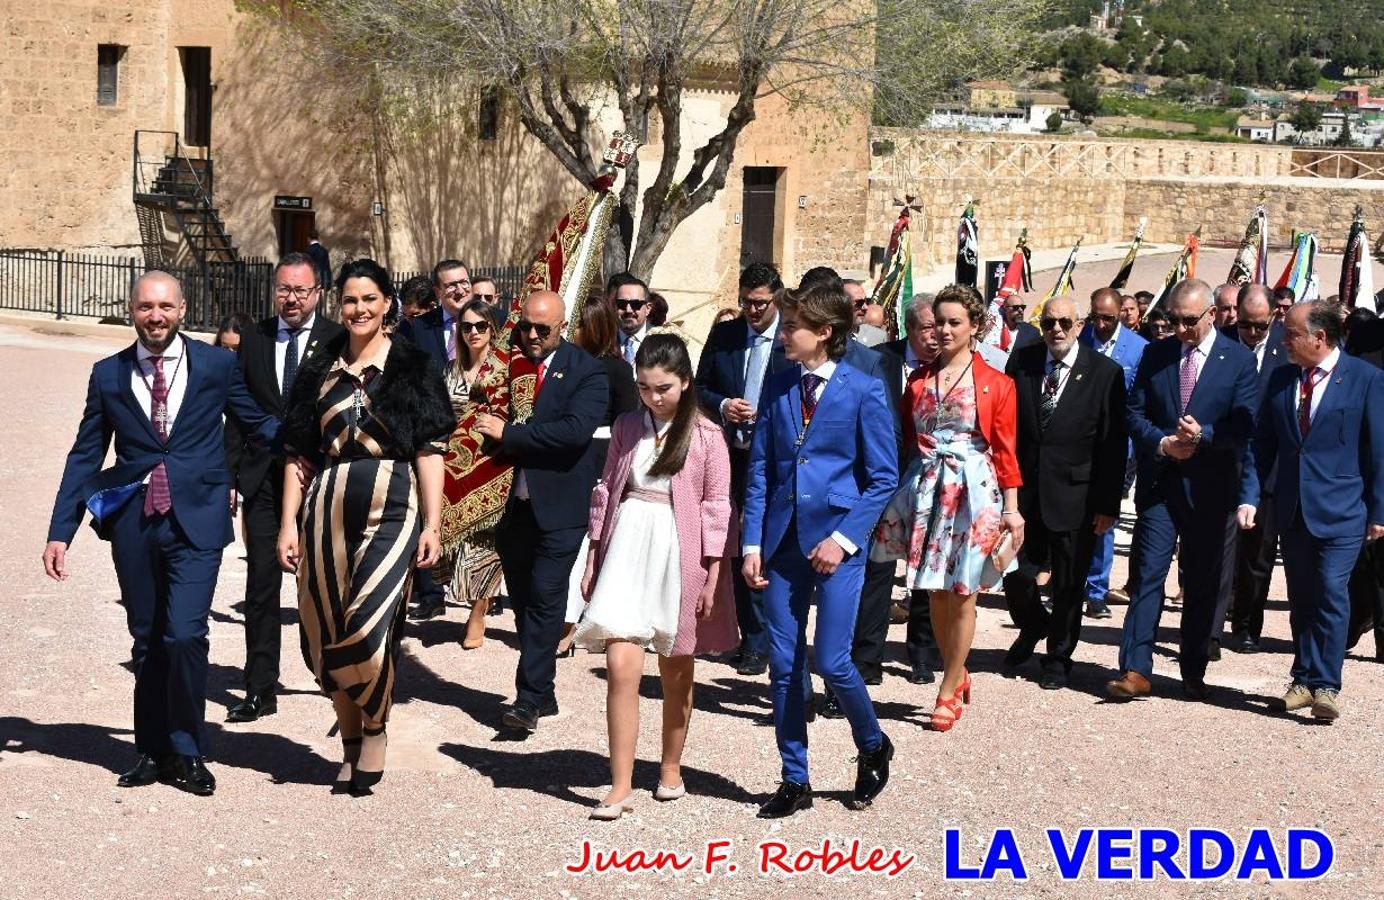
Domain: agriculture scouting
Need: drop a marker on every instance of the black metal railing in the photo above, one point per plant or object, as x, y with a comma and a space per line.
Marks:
71, 285
80, 285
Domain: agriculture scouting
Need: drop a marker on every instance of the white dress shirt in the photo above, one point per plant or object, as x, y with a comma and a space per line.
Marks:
759, 348
1109, 346
630, 343
521, 484
1069, 361
1258, 351
174, 372
1323, 378
1200, 353
281, 344
823, 371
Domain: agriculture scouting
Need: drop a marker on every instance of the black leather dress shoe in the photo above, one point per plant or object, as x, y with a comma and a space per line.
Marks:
1195, 690
1213, 651
788, 799
548, 708
920, 674
872, 773
190, 774
1020, 652
753, 664
254, 706
1052, 681
428, 610
830, 708
874, 679
1245, 643
148, 770
521, 716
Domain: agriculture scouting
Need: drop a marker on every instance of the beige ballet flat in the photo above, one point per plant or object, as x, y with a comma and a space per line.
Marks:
664, 794
613, 811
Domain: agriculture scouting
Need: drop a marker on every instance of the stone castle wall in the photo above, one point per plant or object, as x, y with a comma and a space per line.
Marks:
1097, 189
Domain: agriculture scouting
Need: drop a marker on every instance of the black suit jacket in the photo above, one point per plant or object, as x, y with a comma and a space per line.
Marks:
1075, 468
322, 260
249, 463
428, 334
1025, 335
554, 447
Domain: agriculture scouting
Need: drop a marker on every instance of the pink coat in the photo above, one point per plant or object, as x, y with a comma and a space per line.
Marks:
705, 523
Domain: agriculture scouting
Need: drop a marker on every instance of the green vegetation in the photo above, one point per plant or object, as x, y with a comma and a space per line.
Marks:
1153, 134
1203, 118
1247, 42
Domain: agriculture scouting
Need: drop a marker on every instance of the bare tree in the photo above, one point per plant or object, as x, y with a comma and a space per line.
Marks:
558, 61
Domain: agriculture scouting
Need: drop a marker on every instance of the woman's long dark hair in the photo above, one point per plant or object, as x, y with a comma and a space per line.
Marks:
669, 353
487, 313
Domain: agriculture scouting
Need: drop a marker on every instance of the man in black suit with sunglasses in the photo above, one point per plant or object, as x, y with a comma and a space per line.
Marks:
630, 297
555, 462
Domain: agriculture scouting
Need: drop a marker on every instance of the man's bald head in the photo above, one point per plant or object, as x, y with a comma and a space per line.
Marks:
156, 309
540, 324
1105, 312
1254, 307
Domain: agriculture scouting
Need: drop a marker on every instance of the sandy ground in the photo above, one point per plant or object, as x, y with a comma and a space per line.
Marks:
464, 813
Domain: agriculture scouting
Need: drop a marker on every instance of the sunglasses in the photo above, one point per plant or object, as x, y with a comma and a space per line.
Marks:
862, 303
1047, 323
756, 304
635, 305
541, 330
1252, 326
1105, 319
470, 327
1187, 321
488, 298
1015, 307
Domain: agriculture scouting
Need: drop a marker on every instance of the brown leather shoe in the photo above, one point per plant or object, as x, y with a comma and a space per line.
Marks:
1128, 686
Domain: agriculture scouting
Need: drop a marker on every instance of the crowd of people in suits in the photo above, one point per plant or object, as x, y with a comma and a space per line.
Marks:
433, 441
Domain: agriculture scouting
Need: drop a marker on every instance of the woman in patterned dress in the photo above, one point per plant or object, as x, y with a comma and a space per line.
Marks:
961, 495
475, 482
369, 416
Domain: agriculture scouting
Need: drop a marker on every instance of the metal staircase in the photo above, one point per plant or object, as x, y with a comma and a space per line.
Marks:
173, 191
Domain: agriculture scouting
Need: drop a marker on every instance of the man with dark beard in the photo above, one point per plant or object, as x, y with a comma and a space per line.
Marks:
164, 507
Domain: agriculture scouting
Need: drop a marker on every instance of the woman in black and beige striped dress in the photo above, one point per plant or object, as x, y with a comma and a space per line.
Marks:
371, 415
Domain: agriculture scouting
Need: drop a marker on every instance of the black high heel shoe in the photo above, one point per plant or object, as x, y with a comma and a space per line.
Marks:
350, 749
363, 780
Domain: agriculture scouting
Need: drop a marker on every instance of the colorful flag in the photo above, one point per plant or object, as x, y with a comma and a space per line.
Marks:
895, 285
1301, 275
1015, 277
967, 247
1064, 284
1251, 264
1357, 279
1127, 267
1183, 268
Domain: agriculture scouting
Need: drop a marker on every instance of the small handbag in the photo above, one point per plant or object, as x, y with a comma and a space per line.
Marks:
1006, 549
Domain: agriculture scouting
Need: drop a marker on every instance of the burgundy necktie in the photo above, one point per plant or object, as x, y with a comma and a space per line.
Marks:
1188, 377
157, 498
1309, 383
809, 388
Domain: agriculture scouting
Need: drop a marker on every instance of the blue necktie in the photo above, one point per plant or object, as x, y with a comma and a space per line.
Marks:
291, 359
754, 379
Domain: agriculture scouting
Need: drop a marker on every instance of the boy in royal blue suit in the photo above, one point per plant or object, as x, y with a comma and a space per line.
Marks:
1322, 423
165, 508
822, 466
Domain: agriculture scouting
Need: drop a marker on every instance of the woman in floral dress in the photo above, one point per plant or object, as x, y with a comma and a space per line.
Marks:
960, 496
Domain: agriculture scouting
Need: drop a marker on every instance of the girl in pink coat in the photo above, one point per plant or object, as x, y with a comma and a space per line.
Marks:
657, 576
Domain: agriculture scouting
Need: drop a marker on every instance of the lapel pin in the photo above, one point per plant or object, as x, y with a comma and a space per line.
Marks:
557, 374
986, 390
1078, 376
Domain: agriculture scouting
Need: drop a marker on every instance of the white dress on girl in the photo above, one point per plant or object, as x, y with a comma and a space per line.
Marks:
638, 591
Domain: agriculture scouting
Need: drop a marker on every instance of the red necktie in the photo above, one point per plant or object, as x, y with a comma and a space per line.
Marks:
538, 383
157, 497
1309, 383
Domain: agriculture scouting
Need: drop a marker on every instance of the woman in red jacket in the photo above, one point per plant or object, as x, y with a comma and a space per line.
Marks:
959, 499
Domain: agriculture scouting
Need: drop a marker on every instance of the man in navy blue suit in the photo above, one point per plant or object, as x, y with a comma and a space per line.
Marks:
1322, 424
823, 463
739, 358
549, 504
1107, 335
1256, 548
164, 506
1191, 413
435, 332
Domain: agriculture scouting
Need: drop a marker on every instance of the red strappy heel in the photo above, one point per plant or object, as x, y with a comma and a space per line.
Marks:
953, 706
963, 690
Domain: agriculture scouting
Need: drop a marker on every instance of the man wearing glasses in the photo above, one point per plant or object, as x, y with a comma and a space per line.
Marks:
1017, 333
270, 355
435, 332
1191, 414
483, 287
740, 356
1105, 332
631, 298
867, 334
1257, 330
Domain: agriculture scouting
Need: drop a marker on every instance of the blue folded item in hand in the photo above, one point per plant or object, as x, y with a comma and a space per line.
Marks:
105, 503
